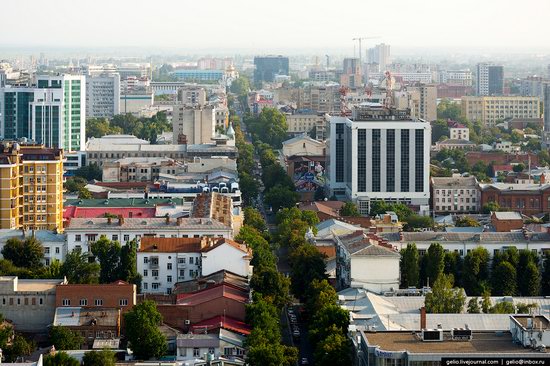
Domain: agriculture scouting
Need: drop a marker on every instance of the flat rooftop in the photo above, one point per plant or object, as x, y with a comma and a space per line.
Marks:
480, 343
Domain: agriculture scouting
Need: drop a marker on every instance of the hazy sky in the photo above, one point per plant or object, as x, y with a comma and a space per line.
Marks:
262, 26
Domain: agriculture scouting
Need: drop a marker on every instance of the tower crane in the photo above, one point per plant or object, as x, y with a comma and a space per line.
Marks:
359, 40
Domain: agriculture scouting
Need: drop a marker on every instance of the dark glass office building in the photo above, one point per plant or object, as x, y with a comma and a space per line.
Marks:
266, 67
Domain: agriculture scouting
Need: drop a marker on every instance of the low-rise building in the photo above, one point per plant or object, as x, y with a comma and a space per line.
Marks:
528, 199
81, 233
90, 323
299, 123
457, 131
506, 221
117, 295
164, 261
28, 304
303, 145
491, 110
452, 144
363, 261
223, 343
455, 195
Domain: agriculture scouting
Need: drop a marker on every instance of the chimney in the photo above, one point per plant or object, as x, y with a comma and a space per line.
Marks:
422, 317
109, 220
179, 221
120, 220
543, 179
167, 219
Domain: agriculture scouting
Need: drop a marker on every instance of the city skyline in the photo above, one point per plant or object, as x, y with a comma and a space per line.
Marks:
297, 26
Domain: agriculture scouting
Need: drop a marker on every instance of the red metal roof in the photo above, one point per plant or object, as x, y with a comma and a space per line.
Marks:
91, 212
222, 322
210, 294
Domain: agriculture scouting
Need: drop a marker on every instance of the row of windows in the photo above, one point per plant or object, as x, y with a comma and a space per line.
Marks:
22, 301
461, 200
97, 302
456, 208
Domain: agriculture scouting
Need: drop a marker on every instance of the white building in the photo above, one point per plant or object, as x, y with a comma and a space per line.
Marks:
193, 125
490, 79
378, 156
459, 132
304, 123
164, 261
223, 343
136, 100
379, 54
81, 232
363, 263
456, 77
102, 95
455, 195
303, 145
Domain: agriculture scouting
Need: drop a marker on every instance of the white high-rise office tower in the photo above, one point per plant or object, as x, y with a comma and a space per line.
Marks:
102, 95
490, 79
379, 54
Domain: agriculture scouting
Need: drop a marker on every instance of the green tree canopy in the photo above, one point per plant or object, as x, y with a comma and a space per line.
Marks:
490, 207
65, 339
409, 266
99, 358
334, 350
476, 271
89, 172
60, 359
272, 284
307, 264
270, 127
78, 269
415, 222
254, 218
445, 298
467, 221
504, 279
280, 197
146, 339
435, 262
473, 306
349, 209
27, 254
75, 184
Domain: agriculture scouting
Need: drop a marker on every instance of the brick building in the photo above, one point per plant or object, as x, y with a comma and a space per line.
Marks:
118, 295
506, 221
501, 158
527, 199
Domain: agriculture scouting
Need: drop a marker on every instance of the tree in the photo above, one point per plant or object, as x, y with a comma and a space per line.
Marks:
518, 168
272, 284
249, 187
522, 308
270, 127
328, 320
486, 302
490, 207
128, 264
99, 358
27, 254
89, 172
454, 265
75, 184
504, 279
409, 265
85, 194
60, 359
240, 86
99, 127
444, 298
146, 340
307, 264
254, 218
504, 307
78, 269
435, 262
447, 109
349, 209
108, 254
319, 194
473, 306
279, 197
414, 222
475, 273
20, 347
439, 129
467, 221
334, 350
529, 280
318, 295
545, 280
64, 338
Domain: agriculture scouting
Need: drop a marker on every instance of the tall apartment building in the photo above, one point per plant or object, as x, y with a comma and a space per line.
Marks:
546, 101
491, 110
266, 67
424, 100
102, 95
490, 79
380, 154
193, 125
320, 98
379, 54
298, 124
192, 95
32, 187
52, 113
533, 86
352, 74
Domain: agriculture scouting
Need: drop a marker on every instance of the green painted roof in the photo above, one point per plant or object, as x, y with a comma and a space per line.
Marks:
123, 202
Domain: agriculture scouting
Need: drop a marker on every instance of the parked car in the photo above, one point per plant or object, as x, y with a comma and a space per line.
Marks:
305, 361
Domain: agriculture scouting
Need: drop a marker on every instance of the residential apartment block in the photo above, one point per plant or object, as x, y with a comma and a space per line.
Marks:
102, 95
489, 79
492, 110
455, 195
32, 187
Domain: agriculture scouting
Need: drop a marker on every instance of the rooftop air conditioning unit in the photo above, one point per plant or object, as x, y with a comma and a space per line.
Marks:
461, 334
432, 335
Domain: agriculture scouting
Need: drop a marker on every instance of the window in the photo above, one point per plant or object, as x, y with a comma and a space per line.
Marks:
196, 352
169, 266
181, 260
66, 302
56, 250
145, 285
41, 301
98, 302
115, 237
168, 278
46, 250
83, 302
145, 273
126, 237
191, 273
145, 260
191, 260
182, 273
211, 350
155, 286
78, 237
155, 272
123, 302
